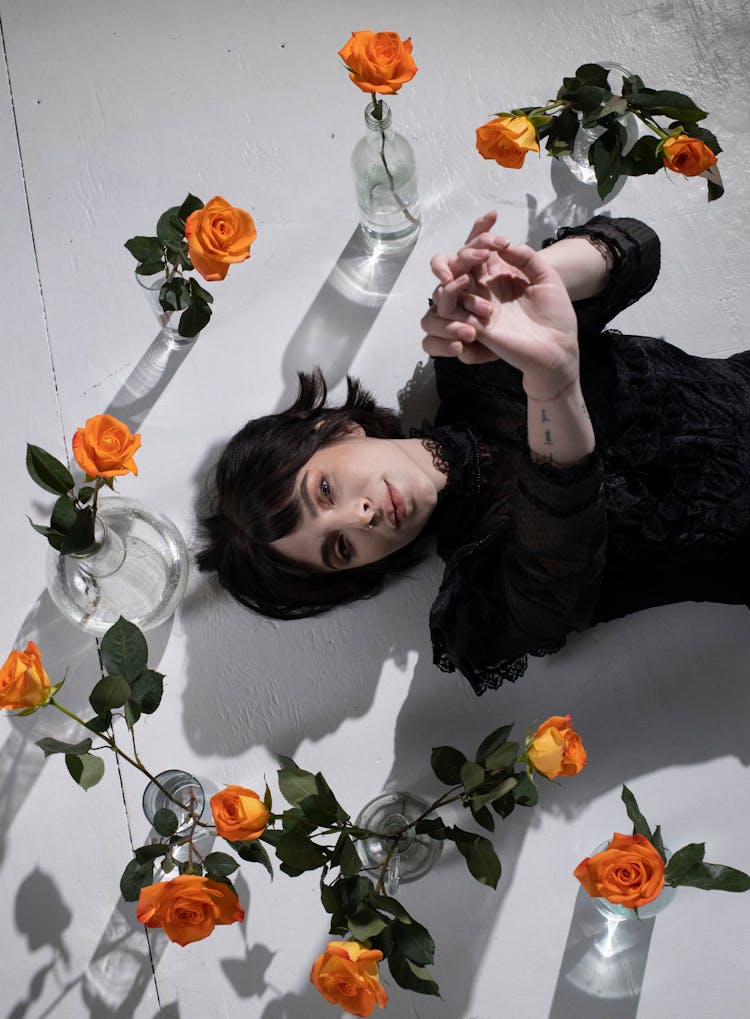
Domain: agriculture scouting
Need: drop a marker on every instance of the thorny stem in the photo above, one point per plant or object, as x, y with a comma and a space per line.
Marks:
135, 762
377, 113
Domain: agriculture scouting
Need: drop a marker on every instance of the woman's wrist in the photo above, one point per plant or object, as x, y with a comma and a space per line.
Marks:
582, 266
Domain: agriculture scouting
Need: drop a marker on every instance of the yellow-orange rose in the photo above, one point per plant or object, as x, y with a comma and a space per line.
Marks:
507, 139
238, 813
104, 447
219, 235
556, 748
23, 681
379, 61
188, 907
347, 975
688, 156
629, 871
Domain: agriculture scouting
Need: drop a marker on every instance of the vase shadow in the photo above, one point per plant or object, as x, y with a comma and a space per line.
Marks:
343, 312
147, 381
603, 966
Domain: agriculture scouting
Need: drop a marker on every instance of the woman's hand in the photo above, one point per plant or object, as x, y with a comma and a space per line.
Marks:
520, 312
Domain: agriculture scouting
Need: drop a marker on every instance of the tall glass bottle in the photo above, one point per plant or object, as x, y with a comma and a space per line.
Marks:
385, 179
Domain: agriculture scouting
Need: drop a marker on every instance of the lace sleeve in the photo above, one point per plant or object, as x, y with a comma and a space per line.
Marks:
632, 250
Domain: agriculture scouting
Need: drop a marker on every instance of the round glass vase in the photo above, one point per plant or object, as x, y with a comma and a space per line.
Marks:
385, 180
137, 567
185, 788
413, 855
169, 321
578, 160
616, 912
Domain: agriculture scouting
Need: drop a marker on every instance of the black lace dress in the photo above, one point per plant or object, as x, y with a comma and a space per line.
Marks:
658, 513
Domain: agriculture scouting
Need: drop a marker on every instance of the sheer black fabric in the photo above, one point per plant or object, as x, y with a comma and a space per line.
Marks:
658, 513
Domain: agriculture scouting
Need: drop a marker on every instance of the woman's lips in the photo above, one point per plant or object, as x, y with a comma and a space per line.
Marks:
396, 511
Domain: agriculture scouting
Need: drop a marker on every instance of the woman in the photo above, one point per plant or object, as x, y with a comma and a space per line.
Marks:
573, 475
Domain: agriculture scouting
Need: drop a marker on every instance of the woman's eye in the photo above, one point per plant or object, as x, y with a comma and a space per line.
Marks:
325, 488
342, 548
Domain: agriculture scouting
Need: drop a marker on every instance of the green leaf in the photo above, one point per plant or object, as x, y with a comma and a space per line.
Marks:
716, 877
86, 769
170, 229
561, 132
388, 904
110, 692
135, 876
85, 492
124, 650
55, 538
643, 157
195, 317
197, 291
346, 856
702, 134
145, 249
447, 763
150, 268
415, 942
669, 104
593, 74
640, 824
605, 155
482, 816
174, 295
253, 852
295, 783
472, 774
432, 826
502, 758
493, 742
525, 792
47, 471
296, 850
191, 204
220, 865
479, 799
147, 690
409, 976
658, 843
366, 924
481, 859
57, 746
80, 536
63, 514
145, 854
186, 867
682, 861
165, 822
132, 712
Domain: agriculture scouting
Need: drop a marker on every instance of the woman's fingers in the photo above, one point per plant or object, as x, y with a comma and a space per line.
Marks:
485, 222
448, 267
469, 353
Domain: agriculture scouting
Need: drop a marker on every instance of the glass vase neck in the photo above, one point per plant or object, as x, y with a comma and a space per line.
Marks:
372, 122
106, 553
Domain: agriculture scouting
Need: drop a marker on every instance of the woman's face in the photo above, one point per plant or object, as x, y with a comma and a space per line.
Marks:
360, 500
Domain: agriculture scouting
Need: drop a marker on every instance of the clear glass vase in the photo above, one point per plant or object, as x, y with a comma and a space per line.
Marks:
617, 912
137, 567
413, 855
169, 321
578, 160
385, 180
185, 788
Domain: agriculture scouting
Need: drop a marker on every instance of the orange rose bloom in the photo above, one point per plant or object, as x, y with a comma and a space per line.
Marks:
188, 907
507, 140
239, 814
347, 975
23, 681
218, 235
688, 156
557, 748
379, 61
629, 871
104, 447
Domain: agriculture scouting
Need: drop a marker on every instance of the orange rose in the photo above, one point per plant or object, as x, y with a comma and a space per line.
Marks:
104, 447
688, 156
239, 814
507, 139
629, 871
379, 61
23, 681
347, 975
556, 748
188, 907
218, 235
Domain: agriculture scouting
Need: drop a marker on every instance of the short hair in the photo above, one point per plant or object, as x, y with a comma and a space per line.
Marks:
254, 503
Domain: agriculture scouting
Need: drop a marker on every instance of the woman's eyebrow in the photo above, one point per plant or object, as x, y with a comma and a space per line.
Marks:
307, 499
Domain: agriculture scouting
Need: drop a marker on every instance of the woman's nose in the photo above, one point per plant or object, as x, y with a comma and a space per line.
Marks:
364, 512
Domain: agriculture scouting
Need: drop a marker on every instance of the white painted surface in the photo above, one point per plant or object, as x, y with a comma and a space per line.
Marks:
120, 110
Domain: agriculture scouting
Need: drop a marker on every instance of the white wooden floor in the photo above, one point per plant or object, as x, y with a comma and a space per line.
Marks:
110, 113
